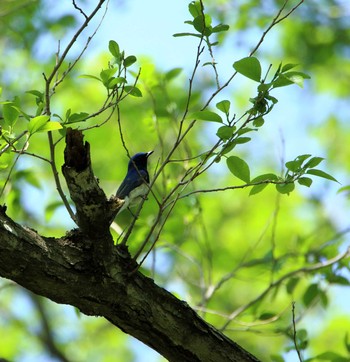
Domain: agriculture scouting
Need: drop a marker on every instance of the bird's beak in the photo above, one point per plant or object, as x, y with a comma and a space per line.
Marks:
149, 153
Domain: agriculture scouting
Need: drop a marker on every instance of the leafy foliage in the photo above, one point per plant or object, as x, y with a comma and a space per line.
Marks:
240, 261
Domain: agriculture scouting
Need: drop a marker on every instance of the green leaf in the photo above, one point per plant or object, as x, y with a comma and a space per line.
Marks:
285, 188
322, 174
177, 35
258, 122
305, 181
37, 123
292, 283
281, 81
206, 116
288, 66
293, 165
297, 77
224, 106
90, 76
288, 78
227, 147
241, 140
50, 126
51, 208
219, 28
37, 94
77, 117
128, 61
313, 162
133, 91
173, 73
331, 356
114, 48
225, 132
310, 294
10, 113
261, 178
115, 81
266, 315
302, 158
239, 168
276, 358
344, 189
195, 8
249, 67
203, 24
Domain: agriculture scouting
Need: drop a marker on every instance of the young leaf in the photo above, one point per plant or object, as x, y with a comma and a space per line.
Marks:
224, 106
219, 28
225, 132
239, 168
114, 48
131, 59
265, 177
207, 116
178, 35
133, 91
310, 294
77, 117
287, 67
10, 113
203, 24
249, 67
313, 162
293, 165
37, 123
173, 73
322, 174
90, 76
285, 188
50, 126
258, 122
241, 140
305, 181
195, 8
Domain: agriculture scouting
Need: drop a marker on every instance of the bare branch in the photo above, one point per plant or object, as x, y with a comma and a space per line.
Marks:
295, 333
303, 270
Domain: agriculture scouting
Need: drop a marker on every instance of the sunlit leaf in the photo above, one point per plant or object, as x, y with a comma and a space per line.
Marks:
133, 91
285, 188
322, 174
114, 48
206, 116
239, 168
224, 106
37, 123
173, 73
225, 132
128, 61
305, 181
249, 67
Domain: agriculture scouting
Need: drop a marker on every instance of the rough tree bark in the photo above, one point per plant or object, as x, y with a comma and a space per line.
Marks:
85, 270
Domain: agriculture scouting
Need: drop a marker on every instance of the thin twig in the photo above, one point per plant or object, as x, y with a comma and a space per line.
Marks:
48, 80
295, 333
303, 270
275, 21
12, 142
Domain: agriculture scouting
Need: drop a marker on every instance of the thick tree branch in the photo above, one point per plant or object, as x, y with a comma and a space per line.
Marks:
63, 270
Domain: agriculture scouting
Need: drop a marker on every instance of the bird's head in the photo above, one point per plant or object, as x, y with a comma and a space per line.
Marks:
139, 160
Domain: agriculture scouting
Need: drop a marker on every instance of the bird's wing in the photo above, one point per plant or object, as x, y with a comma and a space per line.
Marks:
132, 180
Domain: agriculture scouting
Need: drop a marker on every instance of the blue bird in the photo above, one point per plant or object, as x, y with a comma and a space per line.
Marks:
135, 183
